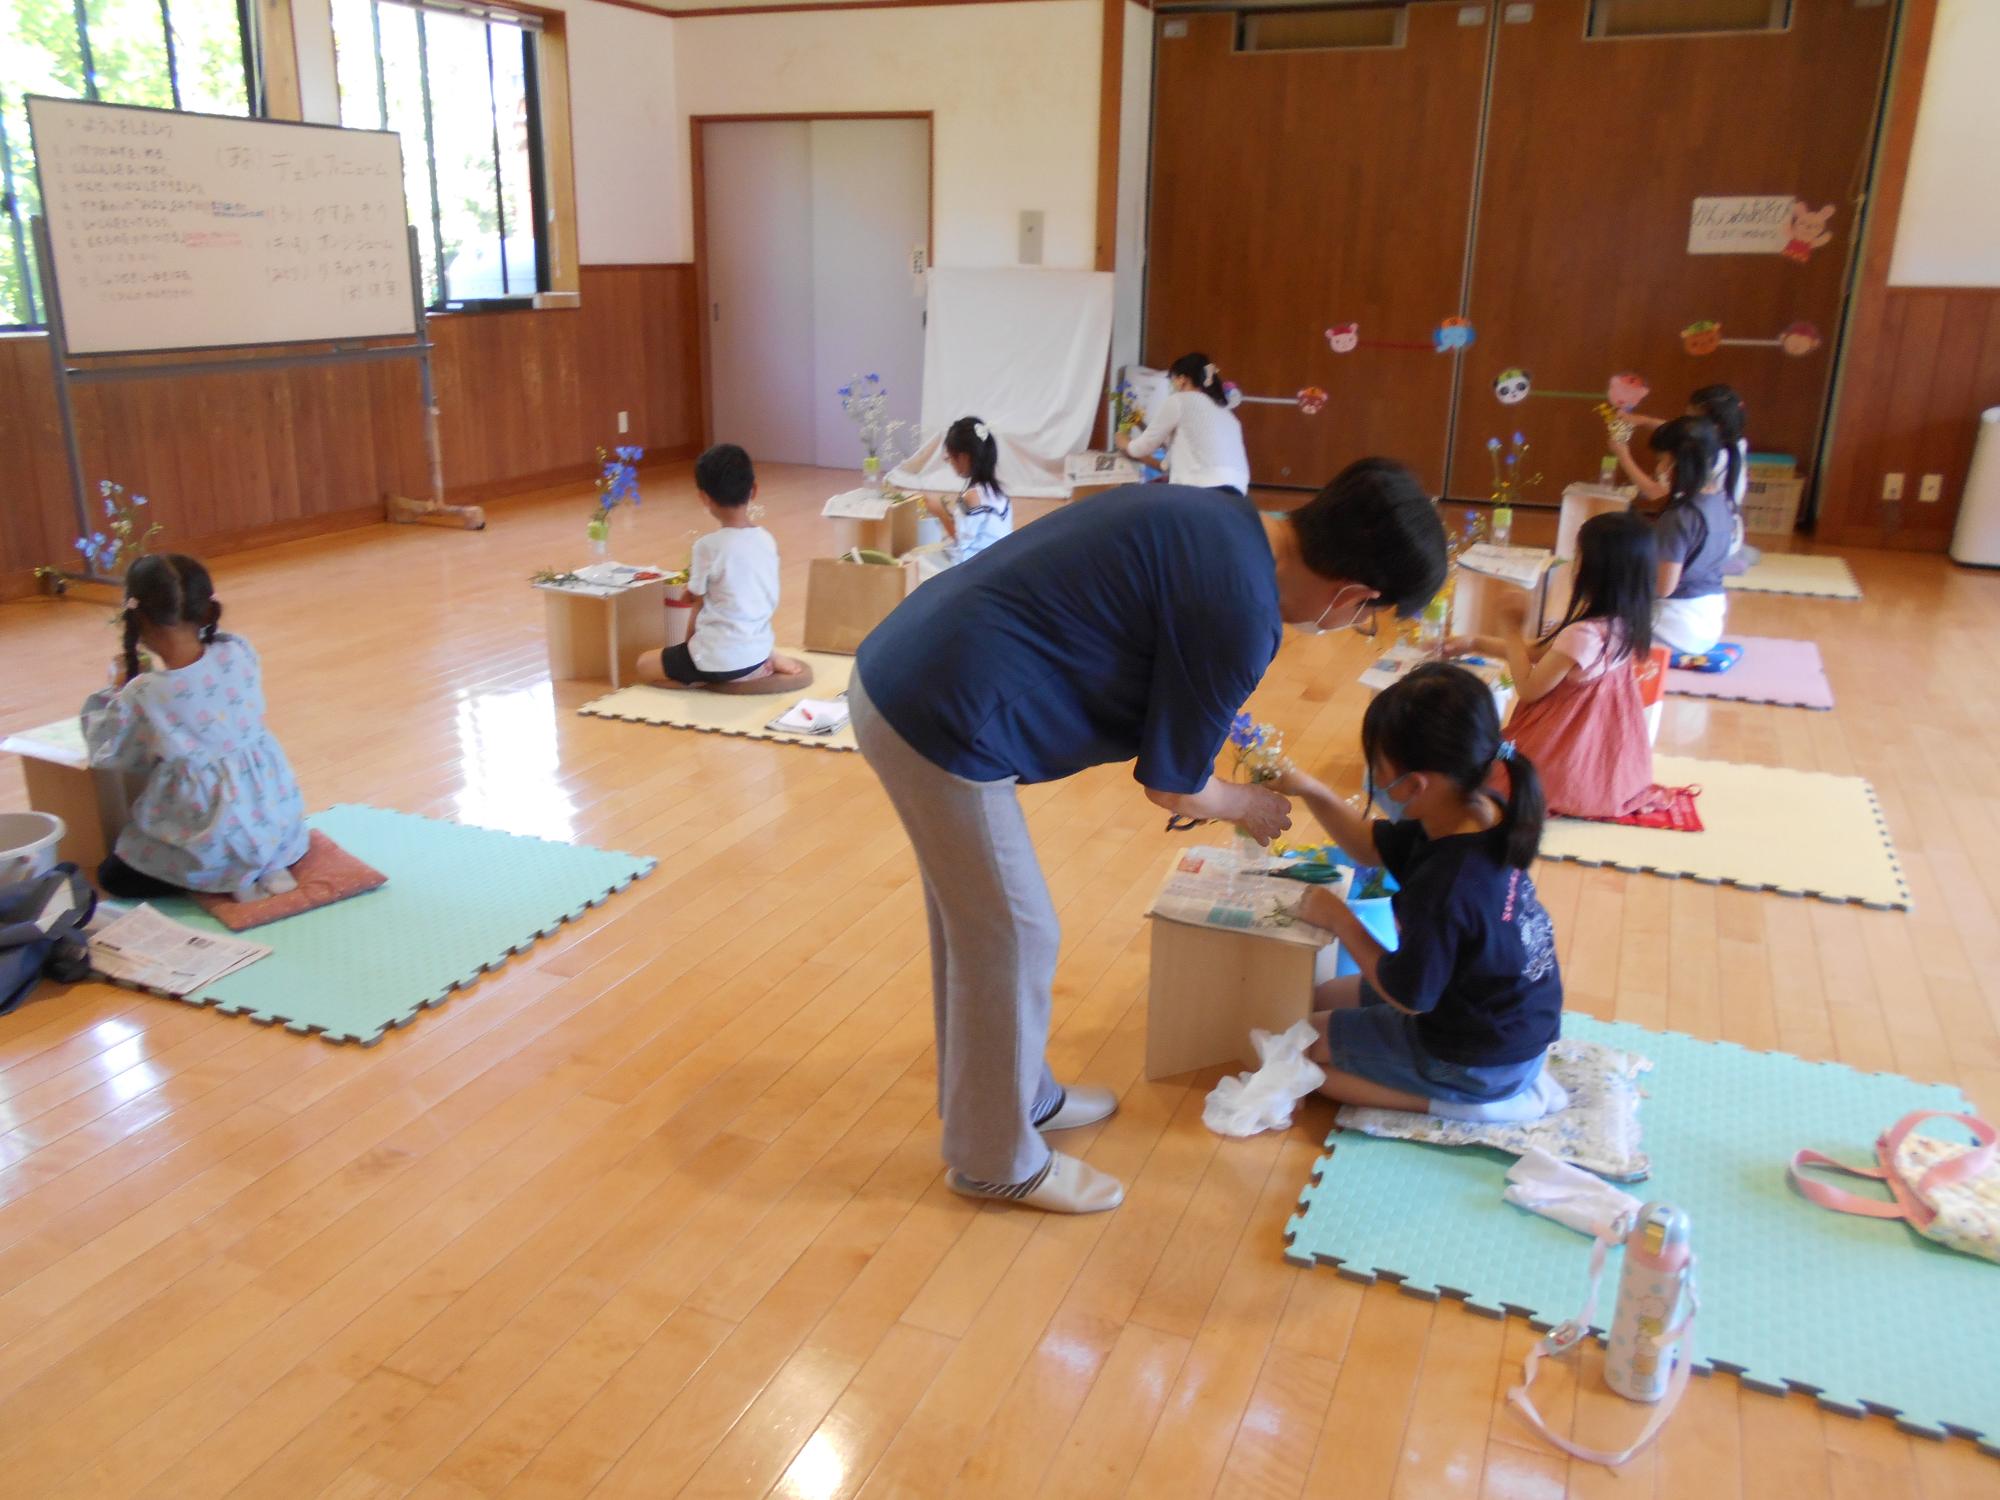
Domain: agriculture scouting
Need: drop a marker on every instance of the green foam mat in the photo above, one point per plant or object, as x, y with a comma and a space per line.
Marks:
1864, 1314
459, 901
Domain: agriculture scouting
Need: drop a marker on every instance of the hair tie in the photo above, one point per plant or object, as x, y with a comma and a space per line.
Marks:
980, 429
1208, 370
130, 604
1506, 750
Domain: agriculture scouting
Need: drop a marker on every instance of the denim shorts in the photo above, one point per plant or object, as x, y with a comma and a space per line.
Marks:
1377, 1042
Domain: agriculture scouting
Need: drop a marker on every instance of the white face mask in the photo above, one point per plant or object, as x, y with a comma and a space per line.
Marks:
1363, 623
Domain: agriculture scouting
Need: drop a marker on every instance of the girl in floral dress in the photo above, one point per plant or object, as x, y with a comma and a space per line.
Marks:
221, 811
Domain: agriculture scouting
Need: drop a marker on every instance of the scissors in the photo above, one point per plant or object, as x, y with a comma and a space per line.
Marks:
1181, 823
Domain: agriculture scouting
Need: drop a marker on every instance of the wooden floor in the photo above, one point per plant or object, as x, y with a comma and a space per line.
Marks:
657, 1209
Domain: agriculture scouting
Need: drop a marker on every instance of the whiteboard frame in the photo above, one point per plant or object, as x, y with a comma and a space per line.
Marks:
53, 283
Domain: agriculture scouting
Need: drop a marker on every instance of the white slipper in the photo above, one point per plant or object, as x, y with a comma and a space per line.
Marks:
1069, 1187
1082, 1105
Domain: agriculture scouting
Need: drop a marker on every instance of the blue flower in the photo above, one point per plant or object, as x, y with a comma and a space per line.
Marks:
847, 390
1243, 731
111, 507
138, 499
874, 379
1519, 441
1493, 445
105, 486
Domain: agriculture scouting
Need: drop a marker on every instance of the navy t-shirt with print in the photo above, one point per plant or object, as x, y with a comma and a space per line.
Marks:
1131, 625
1680, 538
1475, 952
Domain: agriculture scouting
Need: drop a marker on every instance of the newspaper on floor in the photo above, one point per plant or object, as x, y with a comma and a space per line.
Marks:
155, 952
1210, 887
813, 716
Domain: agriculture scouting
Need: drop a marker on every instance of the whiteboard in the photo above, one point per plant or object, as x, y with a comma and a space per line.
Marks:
184, 231
1948, 233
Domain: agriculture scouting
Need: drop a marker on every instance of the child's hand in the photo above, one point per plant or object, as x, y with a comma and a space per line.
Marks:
1321, 907
1465, 645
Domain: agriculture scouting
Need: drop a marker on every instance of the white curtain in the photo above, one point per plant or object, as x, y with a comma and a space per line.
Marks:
1025, 351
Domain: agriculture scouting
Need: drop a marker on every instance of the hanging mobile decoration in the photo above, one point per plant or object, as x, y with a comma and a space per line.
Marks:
1448, 337
1705, 337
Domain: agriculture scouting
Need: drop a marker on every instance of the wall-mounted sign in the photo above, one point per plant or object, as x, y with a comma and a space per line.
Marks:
1741, 226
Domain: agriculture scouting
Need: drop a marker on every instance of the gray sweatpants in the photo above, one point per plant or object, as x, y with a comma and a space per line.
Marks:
994, 937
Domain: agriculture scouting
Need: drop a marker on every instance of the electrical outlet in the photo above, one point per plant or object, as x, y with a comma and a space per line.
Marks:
1892, 486
1031, 236
624, 421
1931, 489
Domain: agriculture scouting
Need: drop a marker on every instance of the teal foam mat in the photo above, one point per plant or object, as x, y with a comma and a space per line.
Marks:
1864, 1314
459, 901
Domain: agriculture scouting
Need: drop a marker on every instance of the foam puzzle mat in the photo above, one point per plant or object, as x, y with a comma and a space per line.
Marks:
1784, 674
1864, 1314
720, 713
459, 901
1798, 573
1799, 833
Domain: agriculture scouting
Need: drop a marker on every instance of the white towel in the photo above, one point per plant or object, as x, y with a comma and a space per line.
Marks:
1572, 1197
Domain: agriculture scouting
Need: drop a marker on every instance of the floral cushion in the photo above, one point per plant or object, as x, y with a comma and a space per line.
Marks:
1599, 1131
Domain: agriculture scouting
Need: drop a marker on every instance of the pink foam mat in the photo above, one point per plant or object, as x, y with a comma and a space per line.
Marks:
1786, 673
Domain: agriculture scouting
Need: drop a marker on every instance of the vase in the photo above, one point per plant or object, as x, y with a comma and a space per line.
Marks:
599, 533
871, 472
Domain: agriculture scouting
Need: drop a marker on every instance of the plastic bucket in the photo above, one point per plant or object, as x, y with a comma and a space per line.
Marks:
28, 844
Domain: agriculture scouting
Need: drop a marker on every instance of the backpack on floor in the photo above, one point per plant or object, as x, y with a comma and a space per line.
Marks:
41, 932
1948, 1192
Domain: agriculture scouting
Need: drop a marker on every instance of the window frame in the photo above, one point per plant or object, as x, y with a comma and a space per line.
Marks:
255, 98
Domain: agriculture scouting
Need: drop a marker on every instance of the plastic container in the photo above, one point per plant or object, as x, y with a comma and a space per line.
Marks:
1503, 525
28, 844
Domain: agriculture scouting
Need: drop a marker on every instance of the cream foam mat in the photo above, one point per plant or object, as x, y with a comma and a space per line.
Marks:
723, 713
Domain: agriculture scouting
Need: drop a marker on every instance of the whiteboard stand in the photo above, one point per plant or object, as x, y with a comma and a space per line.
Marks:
432, 511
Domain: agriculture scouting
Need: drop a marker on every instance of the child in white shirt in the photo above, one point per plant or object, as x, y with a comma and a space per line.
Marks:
980, 514
733, 578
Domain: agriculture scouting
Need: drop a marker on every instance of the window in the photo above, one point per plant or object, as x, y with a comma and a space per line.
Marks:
458, 82
1320, 30
173, 54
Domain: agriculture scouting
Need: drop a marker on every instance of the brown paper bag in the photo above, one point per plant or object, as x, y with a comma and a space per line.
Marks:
846, 600
895, 533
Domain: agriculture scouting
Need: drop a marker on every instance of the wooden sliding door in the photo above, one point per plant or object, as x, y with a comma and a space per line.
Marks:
1299, 188
1597, 150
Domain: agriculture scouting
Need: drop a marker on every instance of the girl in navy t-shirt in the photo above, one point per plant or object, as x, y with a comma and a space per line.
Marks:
1457, 1019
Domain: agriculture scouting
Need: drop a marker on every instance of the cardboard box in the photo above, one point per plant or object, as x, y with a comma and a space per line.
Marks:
845, 600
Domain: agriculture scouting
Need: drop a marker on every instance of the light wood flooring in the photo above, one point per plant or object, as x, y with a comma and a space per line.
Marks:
657, 1208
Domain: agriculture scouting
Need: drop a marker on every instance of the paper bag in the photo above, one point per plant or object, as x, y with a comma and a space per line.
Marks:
846, 600
895, 533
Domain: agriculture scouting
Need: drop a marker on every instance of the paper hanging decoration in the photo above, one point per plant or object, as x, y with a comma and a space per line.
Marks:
1626, 391
1450, 336
1312, 400
1705, 337
1808, 231
1453, 333
1512, 386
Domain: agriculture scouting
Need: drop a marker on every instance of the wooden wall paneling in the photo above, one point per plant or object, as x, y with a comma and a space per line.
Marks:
1909, 398
526, 398
1292, 190
1596, 152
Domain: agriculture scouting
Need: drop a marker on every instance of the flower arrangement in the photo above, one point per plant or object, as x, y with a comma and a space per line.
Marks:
1259, 749
866, 405
1126, 413
1507, 480
111, 551
617, 484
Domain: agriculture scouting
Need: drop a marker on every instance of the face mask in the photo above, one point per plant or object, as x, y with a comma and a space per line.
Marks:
1364, 622
1395, 809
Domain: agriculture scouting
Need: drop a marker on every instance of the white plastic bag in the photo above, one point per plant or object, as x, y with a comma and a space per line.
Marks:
1247, 1103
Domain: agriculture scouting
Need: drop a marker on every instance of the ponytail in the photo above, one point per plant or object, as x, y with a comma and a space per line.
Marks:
131, 641
1199, 371
1526, 810
1441, 719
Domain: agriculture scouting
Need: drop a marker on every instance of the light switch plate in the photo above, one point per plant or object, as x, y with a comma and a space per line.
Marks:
1031, 236
1930, 489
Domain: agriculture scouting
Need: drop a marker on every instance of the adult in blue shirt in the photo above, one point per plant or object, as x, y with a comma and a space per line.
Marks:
1130, 626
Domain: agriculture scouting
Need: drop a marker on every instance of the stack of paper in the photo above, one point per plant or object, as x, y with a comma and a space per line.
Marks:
155, 952
812, 716
856, 505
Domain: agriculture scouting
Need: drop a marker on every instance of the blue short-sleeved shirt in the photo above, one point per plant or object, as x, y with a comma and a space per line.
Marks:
1699, 536
1475, 954
1131, 625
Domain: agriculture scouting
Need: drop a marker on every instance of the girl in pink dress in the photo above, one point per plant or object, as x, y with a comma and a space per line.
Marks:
1579, 718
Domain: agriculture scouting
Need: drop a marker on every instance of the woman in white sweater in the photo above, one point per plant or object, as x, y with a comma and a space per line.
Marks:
1203, 439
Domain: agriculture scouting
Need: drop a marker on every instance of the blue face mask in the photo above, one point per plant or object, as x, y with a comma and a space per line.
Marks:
1395, 809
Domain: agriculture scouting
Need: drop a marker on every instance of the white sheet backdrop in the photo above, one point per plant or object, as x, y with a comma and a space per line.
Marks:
1023, 350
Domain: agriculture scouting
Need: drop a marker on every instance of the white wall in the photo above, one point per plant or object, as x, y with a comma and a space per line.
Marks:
1948, 233
1013, 89
1135, 137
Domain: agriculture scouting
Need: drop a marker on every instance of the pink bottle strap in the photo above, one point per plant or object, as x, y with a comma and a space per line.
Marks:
1972, 1163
